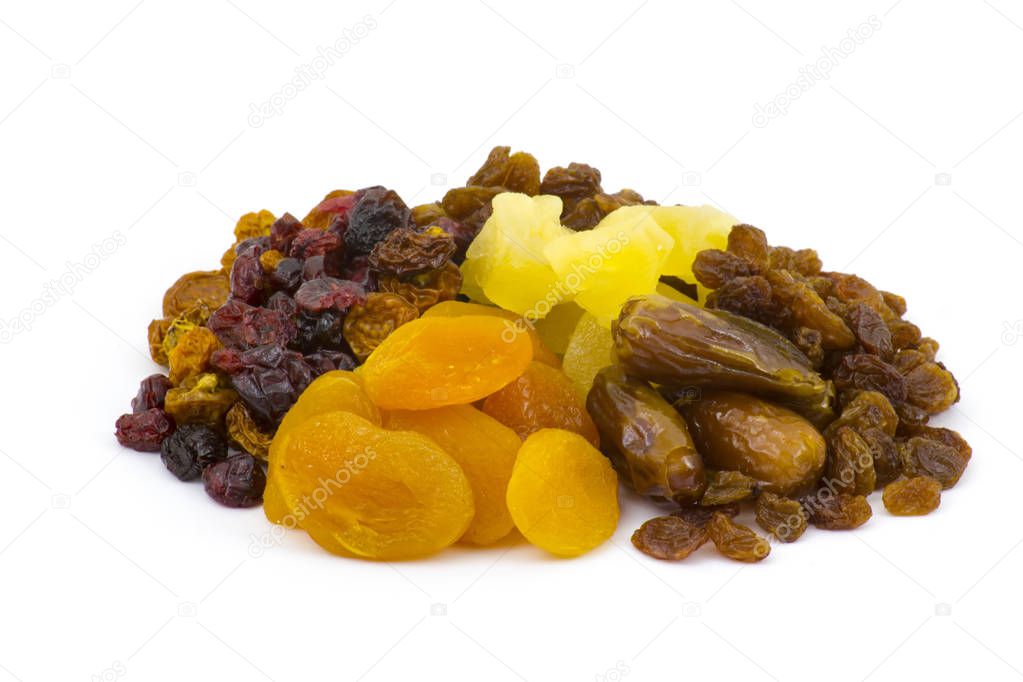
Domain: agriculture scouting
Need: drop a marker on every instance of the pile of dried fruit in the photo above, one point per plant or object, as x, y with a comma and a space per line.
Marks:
395, 380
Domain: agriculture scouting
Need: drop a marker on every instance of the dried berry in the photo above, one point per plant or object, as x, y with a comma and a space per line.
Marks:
308, 243
871, 331
931, 387
320, 295
151, 393
238, 481
860, 371
925, 457
915, 496
714, 268
248, 280
850, 463
426, 289
576, 182
736, 541
190, 357
239, 325
191, 449
407, 252
782, 517
372, 321
840, 511
700, 516
212, 288
243, 430
203, 399
669, 538
270, 380
518, 172
144, 431
750, 244
885, 451
318, 332
376, 212
724, 487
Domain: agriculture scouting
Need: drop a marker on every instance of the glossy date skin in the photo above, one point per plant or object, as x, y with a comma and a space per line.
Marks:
772, 444
677, 346
645, 438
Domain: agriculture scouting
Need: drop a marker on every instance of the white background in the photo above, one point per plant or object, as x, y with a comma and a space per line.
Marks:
134, 119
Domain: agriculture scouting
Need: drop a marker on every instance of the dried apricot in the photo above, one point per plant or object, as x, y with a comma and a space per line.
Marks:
437, 361
337, 390
375, 493
516, 324
563, 494
483, 447
542, 397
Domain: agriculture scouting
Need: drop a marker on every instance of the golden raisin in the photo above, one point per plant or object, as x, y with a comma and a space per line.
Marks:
190, 356
368, 324
912, 496
211, 287
735, 540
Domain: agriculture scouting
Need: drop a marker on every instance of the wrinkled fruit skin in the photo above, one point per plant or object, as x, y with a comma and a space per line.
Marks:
152, 391
238, 481
212, 288
837, 512
563, 494
191, 449
646, 440
418, 367
728, 487
738, 432
483, 447
915, 496
144, 431
669, 538
376, 213
736, 541
680, 346
359, 489
925, 457
784, 518
542, 397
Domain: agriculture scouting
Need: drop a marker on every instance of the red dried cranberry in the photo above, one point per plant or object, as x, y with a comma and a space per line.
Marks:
238, 481
283, 231
247, 280
376, 212
328, 293
191, 449
151, 393
282, 303
239, 325
338, 207
144, 431
313, 243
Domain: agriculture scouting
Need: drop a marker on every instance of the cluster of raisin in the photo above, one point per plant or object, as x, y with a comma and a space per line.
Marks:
293, 299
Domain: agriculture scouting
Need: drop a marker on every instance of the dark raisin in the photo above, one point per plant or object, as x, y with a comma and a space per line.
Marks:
376, 212
152, 391
407, 252
283, 304
239, 325
782, 517
192, 448
238, 481
316, 332
283, 231
247, 277
669, 538
736, 541
144, 431
287, 276
915, 496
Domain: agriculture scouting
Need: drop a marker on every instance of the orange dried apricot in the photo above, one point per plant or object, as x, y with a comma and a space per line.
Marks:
331, 391
542, 397
437, 361
483, 447
375, 493
563, 494
516, 324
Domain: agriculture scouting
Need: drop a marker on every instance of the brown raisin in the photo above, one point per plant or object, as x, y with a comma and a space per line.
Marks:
904, 334
701, 516
426, 289
871, 331
850, 463
931, 387
736, 541
407, 252
518, 172
915, 496
887, 460
669, 538
840, 511
714, 267
925, 457
870, 373
750, 243
577, 181
727, 486
782, 517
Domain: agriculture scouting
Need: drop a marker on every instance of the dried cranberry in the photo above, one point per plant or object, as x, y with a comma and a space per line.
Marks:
313, 243
144, 431
191, 449
239, 325
247, 279
287, 276
238, 481
323, 361
283, 304
328, 293
283, 231
376, 212
151, 393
